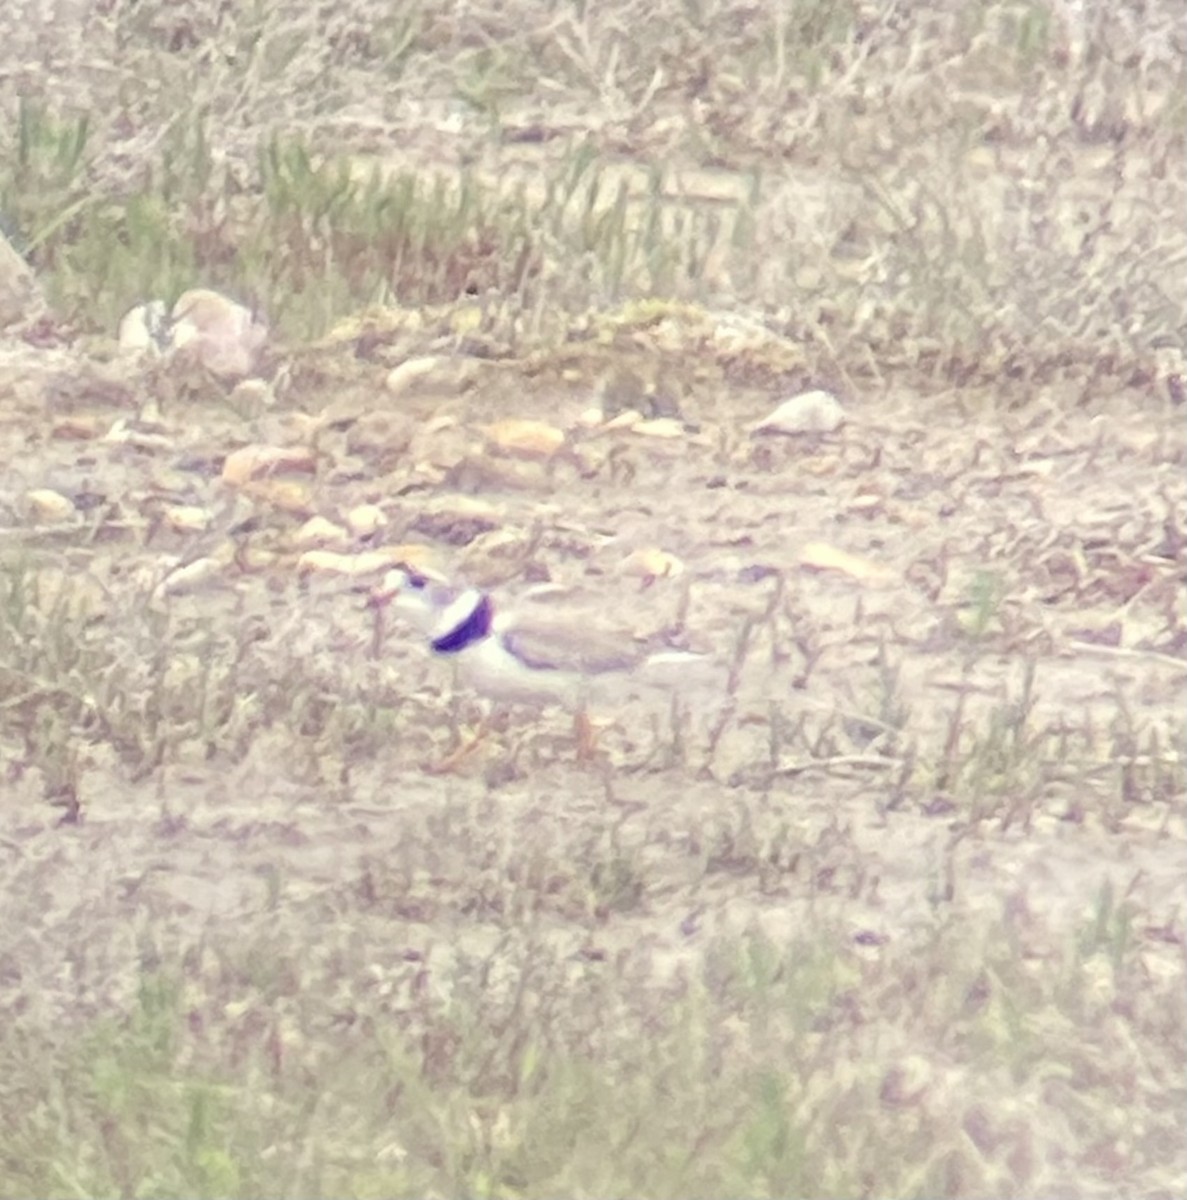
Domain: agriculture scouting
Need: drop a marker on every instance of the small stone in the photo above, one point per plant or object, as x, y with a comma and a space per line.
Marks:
659, 427
530, 439
401, 378
650, 563
330, 562
287, 495
144, 435
79, 428
319, 531
256, 461
251, 396
369, 562
188, 577
492, 556
225, 337
366, 520
439, 423
627, 419
380, 438
456, 520
188, 518
46, 505
809, 412
819, 556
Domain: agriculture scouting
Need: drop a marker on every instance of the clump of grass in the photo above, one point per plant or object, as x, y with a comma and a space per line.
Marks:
783, 1066
101, 251
1007, 764
45, 186
327, 241
162, 688
323, 235
960, 244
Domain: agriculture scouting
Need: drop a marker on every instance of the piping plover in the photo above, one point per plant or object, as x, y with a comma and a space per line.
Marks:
540, 657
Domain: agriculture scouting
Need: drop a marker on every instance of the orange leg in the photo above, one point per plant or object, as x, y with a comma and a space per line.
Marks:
587, 736
463, 751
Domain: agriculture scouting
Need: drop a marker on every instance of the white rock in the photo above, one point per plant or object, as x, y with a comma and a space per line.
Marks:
258, 461
145, 328
318, 531
225, 337
809, 412
129, 432
524, 438
188, 518
331, 562
251, 396
400, 378
46, 505
659, 427
650, 563
188, 577
366, 519
627, 419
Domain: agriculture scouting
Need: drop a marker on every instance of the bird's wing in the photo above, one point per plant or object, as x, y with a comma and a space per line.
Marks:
553, 645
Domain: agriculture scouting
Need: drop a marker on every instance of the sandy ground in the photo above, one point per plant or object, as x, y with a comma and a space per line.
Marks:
1069, 515
950, 636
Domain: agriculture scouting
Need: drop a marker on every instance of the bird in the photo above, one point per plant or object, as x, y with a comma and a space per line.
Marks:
537, 658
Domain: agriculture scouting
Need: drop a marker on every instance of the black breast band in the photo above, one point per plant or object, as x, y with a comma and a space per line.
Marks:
473, 629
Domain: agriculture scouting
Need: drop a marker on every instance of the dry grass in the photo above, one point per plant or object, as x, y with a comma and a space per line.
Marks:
963, 194
900, 915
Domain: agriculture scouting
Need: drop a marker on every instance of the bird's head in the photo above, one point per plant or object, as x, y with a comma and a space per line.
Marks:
415, 593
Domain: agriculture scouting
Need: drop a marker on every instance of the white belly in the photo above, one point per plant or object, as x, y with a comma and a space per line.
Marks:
492, 669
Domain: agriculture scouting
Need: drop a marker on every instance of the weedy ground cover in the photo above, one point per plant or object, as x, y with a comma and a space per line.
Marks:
902, 913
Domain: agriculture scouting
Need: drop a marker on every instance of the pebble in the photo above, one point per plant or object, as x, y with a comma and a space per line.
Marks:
651, 563
809, 412
188, 518
531, 439
366, 519
52, 507
251, 462
225, 337
320, 531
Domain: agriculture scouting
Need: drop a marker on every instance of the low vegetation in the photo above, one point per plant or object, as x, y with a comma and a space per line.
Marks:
904, 915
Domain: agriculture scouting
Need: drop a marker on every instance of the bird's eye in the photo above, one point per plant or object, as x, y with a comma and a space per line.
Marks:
416, 582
